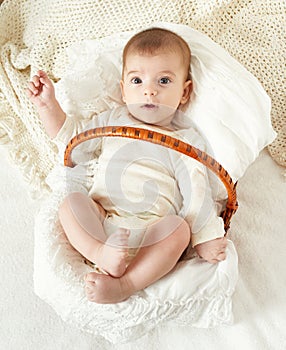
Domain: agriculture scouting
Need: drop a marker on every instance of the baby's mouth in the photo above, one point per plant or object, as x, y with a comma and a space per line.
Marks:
149, 106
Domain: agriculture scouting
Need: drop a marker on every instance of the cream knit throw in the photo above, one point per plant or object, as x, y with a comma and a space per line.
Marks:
35, 34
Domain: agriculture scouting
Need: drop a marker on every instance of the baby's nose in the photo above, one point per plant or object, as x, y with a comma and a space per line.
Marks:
150, 91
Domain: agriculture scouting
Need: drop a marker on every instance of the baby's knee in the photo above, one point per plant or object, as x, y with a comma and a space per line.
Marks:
181, 234
181, 223
184, 228
75, 197
181, 231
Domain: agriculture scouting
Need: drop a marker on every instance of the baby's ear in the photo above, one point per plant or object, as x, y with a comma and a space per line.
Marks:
122, 90
188, 88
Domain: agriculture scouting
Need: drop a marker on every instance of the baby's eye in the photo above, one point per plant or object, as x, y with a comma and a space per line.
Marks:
164, 80
136, 80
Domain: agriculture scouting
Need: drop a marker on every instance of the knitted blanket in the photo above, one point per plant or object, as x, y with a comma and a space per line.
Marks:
35, 34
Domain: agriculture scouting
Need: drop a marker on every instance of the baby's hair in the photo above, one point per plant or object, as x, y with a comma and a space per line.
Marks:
157, 40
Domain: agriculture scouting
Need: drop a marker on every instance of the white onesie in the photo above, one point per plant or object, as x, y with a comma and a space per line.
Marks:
137, 182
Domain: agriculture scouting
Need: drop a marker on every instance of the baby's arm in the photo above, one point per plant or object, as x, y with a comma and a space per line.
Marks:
199, 209
41, 93
212, 251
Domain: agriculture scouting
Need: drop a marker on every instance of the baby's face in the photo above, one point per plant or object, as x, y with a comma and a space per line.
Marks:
154, 86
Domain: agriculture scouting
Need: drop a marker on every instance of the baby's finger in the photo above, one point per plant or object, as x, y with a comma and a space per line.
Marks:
36, 80
221, 256
32, 88
44, 79
42, 74
212, 261
29, 93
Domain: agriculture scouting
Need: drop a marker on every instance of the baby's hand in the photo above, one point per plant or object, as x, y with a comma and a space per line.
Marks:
212, 251
41, 91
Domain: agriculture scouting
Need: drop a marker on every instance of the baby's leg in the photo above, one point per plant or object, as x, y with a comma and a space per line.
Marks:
150, 264
82, 220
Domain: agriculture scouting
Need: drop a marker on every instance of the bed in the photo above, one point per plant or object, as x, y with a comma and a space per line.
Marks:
258, 303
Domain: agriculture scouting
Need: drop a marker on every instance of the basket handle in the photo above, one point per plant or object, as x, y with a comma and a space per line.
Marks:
166, 141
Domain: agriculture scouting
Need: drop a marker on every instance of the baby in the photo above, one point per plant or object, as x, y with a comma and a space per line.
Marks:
155, 84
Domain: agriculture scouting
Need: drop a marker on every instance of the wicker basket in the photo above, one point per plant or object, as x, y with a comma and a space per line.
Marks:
166, 141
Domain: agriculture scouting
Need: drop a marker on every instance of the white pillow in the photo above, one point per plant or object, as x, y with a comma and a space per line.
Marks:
228, 105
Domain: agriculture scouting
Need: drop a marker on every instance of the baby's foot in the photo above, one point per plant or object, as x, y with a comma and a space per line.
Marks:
103, 289
111, 256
